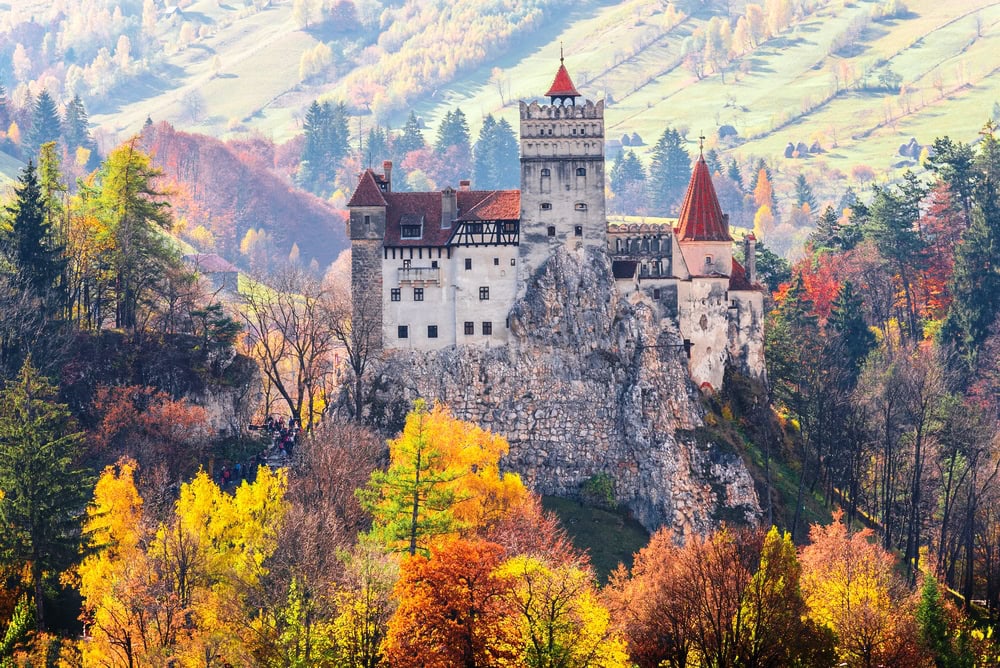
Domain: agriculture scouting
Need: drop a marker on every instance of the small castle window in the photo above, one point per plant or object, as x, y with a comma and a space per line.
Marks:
368, 221
487, 328
583, 131
546, 171
578, 231
394, 294
574, 130
434, 264
580, 206
432, 331
552, 230
546, 206
403, 332
470, 327
484, 294
708, 260
512, 262
406, 264
468, 263
581, 171
410, 232
418, 294
496, 262
656, 293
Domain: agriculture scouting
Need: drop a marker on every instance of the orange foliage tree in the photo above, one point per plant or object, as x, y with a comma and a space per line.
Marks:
454, 610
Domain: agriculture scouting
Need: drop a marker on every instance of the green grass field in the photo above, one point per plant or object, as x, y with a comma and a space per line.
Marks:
610, 538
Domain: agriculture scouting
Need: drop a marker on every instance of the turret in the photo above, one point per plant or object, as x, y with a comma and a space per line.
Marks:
702, 228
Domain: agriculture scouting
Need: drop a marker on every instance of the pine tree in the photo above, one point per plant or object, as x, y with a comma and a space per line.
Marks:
76, 130
45, 492
847, 200
669, 172
804, 193
508, 154
485, 167
626, 171
326, 143
30, 245
453, 131
412, 138
45, 123
734, 173
851, 335
377, 146
826, 236
713, 161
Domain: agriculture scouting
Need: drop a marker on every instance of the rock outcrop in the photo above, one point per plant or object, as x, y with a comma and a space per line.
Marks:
590, 384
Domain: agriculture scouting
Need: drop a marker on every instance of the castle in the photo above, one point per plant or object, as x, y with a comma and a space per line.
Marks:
442, 269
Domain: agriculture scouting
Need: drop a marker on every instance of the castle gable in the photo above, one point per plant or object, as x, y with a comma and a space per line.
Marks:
407, 210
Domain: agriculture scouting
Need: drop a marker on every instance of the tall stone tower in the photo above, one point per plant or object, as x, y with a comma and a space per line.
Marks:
562, 175
367, 232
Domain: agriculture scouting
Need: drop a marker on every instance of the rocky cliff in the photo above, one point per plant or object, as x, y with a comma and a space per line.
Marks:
590, 384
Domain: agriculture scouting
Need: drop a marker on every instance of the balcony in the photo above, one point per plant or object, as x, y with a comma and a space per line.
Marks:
419, 276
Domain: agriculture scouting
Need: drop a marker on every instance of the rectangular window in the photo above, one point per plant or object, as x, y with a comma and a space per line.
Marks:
406, 264
487, 328
475, 228
496, 262
512, 261
394, 294
578, 231
403, 332
418, 294
552, 230
468, 263
434, 264
432, 331
484, 294
368, 221
410, 232
546, 206
656, 293
470, 327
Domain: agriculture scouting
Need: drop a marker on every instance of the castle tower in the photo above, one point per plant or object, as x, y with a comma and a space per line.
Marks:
562, 175
702, 228
366, 228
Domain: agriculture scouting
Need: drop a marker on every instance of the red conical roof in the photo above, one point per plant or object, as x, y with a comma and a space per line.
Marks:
701, 216
367, 193
562, 85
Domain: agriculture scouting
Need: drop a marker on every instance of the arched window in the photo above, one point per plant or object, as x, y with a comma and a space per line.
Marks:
581, 171
580, 206
546, 171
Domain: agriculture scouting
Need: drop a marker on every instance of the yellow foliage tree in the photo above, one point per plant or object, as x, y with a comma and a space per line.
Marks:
563, 623
443, 479
763, 222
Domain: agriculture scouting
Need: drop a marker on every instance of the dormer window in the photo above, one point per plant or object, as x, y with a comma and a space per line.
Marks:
409, 232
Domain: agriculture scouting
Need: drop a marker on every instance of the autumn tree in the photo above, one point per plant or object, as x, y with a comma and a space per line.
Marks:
44, 487
443, 478
454, 610
850, 587
290, 332
563, 622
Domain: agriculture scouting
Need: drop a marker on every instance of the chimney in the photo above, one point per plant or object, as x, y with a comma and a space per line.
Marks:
465, 185
750, 257
449, 207
387, 171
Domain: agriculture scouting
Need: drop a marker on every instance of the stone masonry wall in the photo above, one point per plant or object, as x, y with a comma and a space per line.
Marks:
590, 384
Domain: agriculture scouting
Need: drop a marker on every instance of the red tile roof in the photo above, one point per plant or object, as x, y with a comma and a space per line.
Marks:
472, 205
738, 279
497, 205
562, 85
701, 216
368, 192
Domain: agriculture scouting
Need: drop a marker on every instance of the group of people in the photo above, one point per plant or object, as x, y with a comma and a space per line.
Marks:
283, 434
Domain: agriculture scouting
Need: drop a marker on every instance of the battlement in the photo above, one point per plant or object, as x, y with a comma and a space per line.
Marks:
532, 111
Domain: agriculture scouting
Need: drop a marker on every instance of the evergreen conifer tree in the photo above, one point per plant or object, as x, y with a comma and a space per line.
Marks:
508, 153
412, 138
734, 174
76, 131
804, 193
45, 491
669, 172
453, 131
377, 146
713, 162
29, 245
45, 123
853, 338
826, 236
495, 156
326, 135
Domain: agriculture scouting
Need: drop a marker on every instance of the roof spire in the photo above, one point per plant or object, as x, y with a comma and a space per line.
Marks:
701, 146
560, 52
562, 88
701, 216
